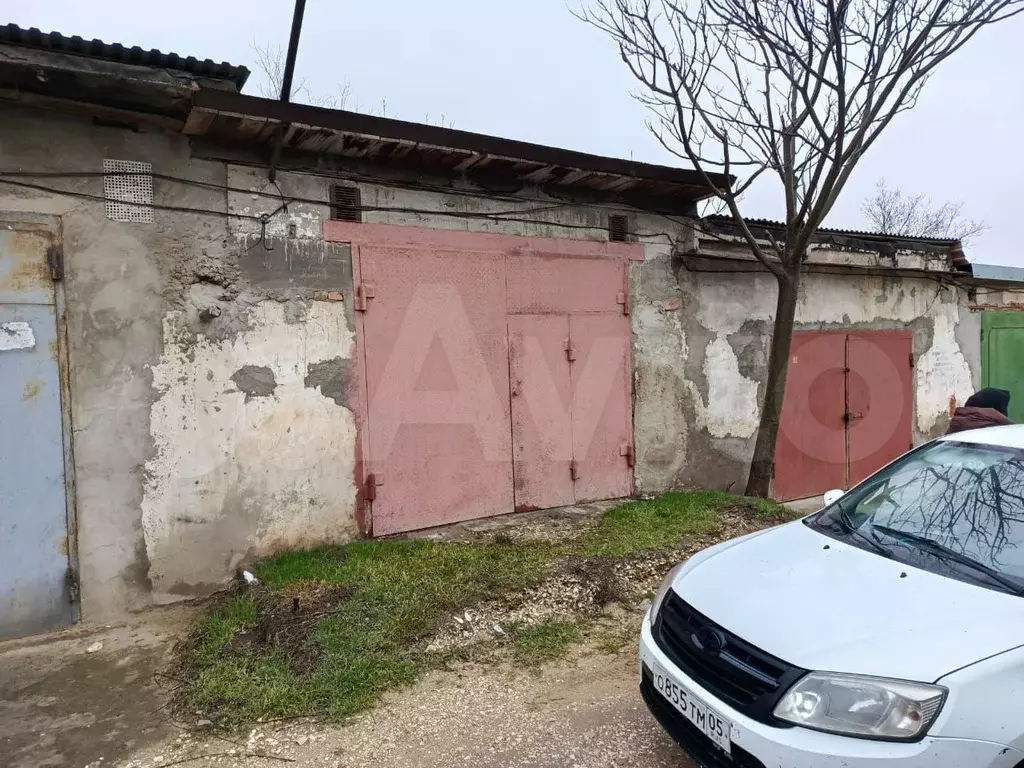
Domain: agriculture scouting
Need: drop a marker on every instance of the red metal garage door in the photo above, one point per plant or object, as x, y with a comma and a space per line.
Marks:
810, 455
847, 410
879, 387
436, 366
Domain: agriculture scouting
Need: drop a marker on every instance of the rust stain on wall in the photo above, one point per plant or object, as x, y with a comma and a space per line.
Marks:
32, 389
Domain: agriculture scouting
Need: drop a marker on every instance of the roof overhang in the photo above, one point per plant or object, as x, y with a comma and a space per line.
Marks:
232, 118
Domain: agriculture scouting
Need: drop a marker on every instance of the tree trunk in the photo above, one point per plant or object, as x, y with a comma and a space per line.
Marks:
763, 464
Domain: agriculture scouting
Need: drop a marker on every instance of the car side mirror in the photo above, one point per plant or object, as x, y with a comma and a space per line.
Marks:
831, 497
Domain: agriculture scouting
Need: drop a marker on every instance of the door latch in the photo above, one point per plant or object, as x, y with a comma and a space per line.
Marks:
372, 481
364, 293
627, 451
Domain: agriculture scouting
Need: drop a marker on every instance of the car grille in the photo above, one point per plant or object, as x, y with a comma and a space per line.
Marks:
688, 736
740, 674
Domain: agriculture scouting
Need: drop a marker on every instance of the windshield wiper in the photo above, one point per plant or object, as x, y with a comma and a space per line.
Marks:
847, 525
946, 553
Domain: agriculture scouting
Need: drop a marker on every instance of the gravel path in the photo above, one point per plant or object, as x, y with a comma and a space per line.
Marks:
584, 713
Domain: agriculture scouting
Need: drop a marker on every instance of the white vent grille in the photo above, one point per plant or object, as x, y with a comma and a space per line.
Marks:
128, 187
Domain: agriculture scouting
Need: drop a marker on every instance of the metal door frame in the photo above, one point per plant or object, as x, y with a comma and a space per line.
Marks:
51, 226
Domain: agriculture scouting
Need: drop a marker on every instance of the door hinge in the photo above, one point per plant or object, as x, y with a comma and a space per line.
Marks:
570, 350
373, 480
627, 451
911, 356
574, 470
55, 260
364, 293
71, 582
622, 298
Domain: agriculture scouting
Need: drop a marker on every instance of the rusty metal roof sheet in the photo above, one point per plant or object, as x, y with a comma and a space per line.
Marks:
853, 238
12, 34
775, 226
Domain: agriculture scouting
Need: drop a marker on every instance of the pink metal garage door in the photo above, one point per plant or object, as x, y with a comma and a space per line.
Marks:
602, 425
541, 416
493, 373
436, 367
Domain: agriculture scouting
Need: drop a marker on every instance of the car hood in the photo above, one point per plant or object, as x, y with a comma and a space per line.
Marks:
825, 605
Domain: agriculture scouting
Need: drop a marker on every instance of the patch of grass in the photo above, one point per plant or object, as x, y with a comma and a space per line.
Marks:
615, 639
654, 524
544, 642
277, 652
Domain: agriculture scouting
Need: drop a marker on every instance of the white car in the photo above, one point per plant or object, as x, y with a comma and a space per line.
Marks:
886, 629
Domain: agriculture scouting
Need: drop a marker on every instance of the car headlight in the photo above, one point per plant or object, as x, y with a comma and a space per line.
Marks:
659, 596
868, 707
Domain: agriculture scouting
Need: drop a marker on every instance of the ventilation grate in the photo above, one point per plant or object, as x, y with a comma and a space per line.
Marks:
618, 228
345, 203
128, 189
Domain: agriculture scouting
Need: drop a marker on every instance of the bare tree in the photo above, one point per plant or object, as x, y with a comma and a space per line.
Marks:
891, 212
793, 90
270, 61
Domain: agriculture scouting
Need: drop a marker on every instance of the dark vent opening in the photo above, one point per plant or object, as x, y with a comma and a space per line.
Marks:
345, 203
618, 228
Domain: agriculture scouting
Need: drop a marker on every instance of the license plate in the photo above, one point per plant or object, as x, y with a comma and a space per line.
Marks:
709, 722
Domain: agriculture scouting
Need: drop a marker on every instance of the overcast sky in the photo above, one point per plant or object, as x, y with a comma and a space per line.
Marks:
526, 69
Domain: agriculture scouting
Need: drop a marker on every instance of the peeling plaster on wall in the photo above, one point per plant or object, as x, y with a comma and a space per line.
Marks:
235, 477
658, 384
942, 371
732, 407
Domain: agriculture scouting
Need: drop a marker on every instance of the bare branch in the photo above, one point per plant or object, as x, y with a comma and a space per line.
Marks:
891, 212
799, 90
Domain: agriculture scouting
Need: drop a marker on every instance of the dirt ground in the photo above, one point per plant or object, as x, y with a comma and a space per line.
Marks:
61, 705
98, 697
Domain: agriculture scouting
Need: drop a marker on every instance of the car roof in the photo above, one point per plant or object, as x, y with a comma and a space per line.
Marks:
1011, 436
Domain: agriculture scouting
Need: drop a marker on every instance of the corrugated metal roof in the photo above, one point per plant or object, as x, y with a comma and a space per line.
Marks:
12, 34
860, 234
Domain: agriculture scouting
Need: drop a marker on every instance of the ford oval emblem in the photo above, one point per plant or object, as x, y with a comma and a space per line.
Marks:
708, 639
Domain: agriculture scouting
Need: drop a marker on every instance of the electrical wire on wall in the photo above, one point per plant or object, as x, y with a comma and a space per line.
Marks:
517, 215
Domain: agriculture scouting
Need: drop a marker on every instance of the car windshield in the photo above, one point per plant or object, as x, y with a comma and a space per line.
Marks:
956, 502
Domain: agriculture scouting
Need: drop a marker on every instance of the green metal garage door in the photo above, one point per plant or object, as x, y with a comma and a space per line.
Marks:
1002, 356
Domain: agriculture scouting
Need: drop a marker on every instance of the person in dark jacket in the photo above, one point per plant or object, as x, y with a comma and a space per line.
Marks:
985, 408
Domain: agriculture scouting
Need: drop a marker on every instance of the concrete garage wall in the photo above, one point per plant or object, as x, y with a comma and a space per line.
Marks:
210, 355
702, 342
208, 374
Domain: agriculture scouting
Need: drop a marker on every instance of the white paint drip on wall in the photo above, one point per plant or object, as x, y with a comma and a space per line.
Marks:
16, 335
234, 477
